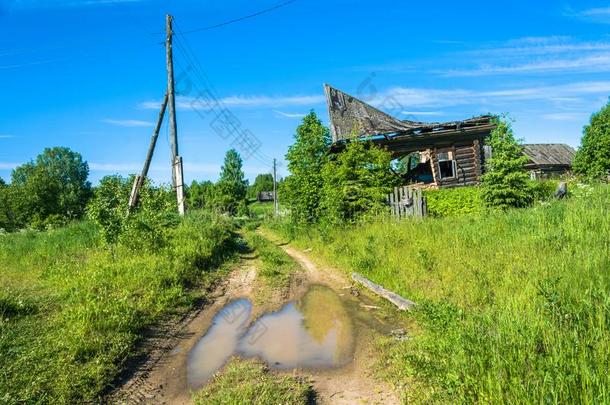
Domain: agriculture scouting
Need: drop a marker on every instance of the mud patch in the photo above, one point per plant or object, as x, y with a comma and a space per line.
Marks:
314, 332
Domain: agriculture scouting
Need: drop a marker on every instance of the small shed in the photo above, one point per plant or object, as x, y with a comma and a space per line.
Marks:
548, 159
265, 196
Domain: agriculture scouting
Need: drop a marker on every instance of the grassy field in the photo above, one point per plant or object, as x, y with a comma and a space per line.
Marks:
513, 307
72, 311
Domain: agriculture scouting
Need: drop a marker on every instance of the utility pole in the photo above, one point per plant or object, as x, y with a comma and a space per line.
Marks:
139, 180
275, 200
177, 177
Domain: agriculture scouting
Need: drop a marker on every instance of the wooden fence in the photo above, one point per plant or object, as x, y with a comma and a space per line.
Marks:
407, 202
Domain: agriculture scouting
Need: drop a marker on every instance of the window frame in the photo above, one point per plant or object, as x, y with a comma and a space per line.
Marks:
446, 156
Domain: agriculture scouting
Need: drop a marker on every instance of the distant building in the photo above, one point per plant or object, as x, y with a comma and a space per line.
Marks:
265, 196
548, 159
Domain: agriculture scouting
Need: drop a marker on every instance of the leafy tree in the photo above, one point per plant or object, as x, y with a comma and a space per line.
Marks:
593, 157
7, 222
302, 190
356, 182
505, 182
200, 194
108, 207
146, 227
263, 182
230, 190
52, 188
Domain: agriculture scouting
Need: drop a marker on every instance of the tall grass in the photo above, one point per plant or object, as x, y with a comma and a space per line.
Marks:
72, 311
513, 306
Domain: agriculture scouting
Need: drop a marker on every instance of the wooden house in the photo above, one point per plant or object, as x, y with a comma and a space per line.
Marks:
449, 154
548, 159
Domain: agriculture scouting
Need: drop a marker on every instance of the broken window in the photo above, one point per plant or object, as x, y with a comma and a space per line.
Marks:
447, 165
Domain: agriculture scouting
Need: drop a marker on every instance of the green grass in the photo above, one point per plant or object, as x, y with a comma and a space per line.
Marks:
513, 307
249, 382
72, 311
276, 267
261, 210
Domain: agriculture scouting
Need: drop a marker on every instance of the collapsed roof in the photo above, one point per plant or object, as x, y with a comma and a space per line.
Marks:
351, 118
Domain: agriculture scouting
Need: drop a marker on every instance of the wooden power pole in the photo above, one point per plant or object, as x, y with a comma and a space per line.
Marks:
177, 178
169, 103
275, 200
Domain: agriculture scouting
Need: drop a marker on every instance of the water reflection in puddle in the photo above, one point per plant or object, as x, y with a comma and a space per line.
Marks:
313, 332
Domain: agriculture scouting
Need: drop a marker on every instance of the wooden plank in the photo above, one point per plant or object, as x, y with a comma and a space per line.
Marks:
402, 303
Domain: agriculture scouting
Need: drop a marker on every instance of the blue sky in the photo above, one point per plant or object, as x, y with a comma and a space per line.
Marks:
90, 74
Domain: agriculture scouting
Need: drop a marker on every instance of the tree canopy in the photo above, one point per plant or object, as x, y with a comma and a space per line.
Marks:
302, 190
356, 182
52, 188
262, 182
230, 190
593, 156
505, 182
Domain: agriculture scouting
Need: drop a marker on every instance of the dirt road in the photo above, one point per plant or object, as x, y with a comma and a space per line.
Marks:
162, 379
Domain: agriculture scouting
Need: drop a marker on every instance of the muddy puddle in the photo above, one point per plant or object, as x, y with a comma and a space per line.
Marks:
315, 331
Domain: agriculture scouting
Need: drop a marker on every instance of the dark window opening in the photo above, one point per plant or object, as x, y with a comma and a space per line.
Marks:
447, 169
447, 166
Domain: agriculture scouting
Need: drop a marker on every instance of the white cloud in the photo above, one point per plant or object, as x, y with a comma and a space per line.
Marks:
595, 63
434, 98
288, 115
426, 113
566, 116
596, 14
184, 102
8, 165
128, 123
6, 136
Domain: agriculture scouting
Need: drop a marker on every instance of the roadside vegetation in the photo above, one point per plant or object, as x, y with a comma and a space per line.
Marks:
513, 306
73, 310
512, 285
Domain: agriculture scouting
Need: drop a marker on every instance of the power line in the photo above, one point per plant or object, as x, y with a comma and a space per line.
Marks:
261, 12
187, 52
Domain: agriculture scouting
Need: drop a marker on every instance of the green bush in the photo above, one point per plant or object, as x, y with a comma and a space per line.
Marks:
543, 190
447, 202
147, 225
505, 182
356, 182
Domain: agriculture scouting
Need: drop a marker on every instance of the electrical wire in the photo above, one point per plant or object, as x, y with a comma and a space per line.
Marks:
187, 52
246, 17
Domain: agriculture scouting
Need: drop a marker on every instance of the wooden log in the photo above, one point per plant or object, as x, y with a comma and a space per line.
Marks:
402, 303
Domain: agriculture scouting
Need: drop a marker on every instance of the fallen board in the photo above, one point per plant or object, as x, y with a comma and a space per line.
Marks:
402, 303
